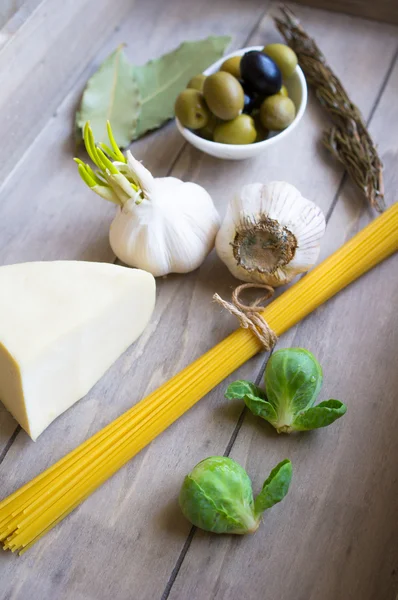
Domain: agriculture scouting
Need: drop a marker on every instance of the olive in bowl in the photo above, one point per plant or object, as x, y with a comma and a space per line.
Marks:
296, 89
261, 73
277, 112
223, 95
240, 130
191, 109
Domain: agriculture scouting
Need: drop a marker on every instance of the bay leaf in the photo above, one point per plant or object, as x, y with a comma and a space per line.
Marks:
111, 94
161, 80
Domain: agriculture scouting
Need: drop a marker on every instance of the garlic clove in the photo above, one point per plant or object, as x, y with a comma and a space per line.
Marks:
124, 186
137, 238
140, 174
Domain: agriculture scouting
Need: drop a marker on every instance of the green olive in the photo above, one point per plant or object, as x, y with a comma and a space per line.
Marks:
196, 83
240, 130
283, 92
262, 133
283, 56
232, 66
191, 110
224, 95
207, 131
277, 112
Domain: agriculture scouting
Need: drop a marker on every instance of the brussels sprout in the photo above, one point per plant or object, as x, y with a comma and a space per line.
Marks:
217, 495
293, 379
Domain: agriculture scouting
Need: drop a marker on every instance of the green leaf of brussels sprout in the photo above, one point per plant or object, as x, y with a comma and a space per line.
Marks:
293, 379
321, 415
217, 495
275, 487
254, 399
239, 389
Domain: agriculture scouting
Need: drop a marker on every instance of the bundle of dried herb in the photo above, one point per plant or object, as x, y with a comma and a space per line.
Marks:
348, 139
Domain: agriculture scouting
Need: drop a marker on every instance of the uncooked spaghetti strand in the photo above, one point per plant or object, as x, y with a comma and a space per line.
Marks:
140, 425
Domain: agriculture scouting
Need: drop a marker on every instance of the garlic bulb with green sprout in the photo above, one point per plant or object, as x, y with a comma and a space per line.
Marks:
270, 234
162, 225
217, 495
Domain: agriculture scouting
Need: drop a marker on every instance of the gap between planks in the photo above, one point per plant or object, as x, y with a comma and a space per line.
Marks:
258, 379
17, 20
191, 535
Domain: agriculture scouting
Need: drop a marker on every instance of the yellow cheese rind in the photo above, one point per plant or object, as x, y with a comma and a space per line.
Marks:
62, 325
11, 386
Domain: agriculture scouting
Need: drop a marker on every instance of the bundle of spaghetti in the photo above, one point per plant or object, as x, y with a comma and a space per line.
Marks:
27, 514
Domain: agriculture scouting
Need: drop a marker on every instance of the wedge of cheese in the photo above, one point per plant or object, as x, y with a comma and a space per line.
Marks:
62, 325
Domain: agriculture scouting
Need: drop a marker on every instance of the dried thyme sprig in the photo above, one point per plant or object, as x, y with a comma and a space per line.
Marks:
348, 139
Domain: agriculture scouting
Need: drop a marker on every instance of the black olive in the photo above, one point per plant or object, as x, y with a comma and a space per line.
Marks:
252, 100
248, 105
246, 88
260, 73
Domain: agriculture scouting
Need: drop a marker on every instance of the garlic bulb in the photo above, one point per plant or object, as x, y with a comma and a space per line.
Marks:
171, 230
270, 234
162, 225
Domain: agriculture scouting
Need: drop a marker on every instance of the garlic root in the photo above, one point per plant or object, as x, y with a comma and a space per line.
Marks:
270, 234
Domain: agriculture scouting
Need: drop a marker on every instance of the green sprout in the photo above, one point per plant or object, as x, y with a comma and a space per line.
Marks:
293, 379
111, 180
217, 495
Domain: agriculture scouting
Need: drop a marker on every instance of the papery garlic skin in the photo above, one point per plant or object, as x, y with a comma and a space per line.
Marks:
171, 230
270, 234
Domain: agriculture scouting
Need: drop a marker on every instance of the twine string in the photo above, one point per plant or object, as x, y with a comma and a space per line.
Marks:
249, 316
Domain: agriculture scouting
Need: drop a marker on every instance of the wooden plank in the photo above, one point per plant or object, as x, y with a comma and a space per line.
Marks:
47, 54
335, 536
111, 545
7, 9
74, 224
10, 24
382, 10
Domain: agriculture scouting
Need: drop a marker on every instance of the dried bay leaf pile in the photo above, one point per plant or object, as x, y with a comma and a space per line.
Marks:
136, 99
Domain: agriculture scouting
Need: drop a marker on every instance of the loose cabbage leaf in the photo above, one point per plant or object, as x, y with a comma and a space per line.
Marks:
275, 487
318, 416
161, 80
111, 94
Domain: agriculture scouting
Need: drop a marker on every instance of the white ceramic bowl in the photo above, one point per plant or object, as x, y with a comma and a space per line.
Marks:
297, 88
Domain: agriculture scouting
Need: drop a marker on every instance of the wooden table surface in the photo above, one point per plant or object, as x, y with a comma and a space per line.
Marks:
335, 537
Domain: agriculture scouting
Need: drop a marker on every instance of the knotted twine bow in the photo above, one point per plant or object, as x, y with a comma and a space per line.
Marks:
249, 316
